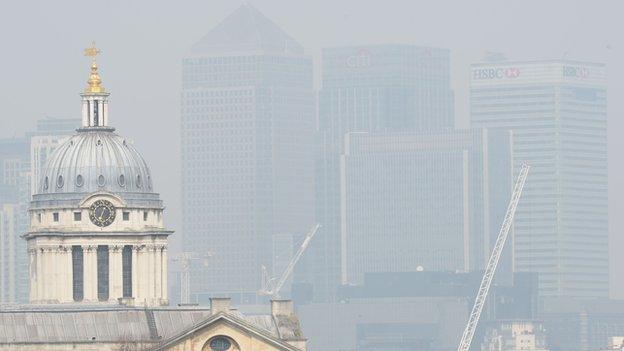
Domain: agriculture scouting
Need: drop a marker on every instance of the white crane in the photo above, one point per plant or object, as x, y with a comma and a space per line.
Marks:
269, 286
490, 270
185, 259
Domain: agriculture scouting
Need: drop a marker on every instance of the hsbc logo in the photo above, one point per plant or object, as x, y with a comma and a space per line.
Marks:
575, 72
495, 73
361, 59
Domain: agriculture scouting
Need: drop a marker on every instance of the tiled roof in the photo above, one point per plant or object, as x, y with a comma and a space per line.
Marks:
109, 323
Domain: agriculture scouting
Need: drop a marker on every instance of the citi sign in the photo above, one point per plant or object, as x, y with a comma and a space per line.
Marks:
495, 73
362, 58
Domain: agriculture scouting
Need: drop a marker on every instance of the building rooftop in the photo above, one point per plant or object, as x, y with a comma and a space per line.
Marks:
114, 323
246, 30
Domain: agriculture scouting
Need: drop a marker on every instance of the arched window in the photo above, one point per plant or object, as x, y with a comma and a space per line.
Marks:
221, 343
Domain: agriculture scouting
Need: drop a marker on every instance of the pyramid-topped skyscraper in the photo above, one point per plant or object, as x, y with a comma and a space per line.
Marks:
247, 30
247, 171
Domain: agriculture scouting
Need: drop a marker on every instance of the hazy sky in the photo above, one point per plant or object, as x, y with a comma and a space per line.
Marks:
42, 69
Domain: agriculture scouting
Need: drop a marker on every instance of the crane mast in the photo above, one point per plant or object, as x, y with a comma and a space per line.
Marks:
274, 290
490, 270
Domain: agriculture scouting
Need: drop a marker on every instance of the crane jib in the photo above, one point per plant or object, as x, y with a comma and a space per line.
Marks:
490, 270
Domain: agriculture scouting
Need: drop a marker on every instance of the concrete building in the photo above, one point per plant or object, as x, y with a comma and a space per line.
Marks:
558, 113
515, 336
375, 88
430, 201
9, 236
13, 186
247, 166
410, 311
576, 325
21, 161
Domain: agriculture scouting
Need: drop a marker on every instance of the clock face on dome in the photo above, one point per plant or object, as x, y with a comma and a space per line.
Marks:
102, 213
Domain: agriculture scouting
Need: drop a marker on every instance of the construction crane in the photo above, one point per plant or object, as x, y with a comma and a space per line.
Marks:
269, 285
490, 270
185, 259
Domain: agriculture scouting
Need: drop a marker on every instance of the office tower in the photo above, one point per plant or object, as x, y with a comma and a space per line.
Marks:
558, 113
430, 202
247, 152
13, 155
370, 89
13, 163
21, 160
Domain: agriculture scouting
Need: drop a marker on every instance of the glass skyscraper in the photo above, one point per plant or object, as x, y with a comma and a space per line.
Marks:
376, 88
558, 113
248, 117
431, 202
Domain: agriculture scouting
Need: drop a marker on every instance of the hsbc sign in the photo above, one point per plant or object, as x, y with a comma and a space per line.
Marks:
495, 73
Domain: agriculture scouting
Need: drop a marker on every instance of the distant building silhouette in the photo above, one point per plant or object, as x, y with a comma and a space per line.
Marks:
248, 117
376, 88
21, 160
558, 113
430, 201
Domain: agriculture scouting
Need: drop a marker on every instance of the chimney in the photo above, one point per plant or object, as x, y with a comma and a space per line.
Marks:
219, 304
282, 308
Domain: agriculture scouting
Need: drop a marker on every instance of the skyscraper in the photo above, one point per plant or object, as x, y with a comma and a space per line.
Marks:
415, 201
558, 113
368, 89
13, 171
247, 153
21, 160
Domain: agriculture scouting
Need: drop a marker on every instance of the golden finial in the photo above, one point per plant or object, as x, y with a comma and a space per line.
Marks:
94, 82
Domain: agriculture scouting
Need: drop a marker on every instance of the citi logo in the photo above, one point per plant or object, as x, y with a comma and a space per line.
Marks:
361, 59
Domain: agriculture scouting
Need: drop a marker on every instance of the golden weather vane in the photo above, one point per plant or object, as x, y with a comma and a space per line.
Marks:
94, 82
92, 51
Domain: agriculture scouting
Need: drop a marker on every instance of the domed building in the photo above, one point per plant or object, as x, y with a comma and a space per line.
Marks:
96, 224
98, 260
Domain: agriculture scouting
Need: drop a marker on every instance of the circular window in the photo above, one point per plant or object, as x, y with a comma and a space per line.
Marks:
59, 181
149, 182
220, 344
101, 180
99, 142
121, 180
79, 180
139, 181
45, 183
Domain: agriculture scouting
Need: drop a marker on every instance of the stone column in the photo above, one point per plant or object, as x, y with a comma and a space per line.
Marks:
69, 275
47, 273
39, 258
115, 273
59, 273
143, 274
151, 254
158, 272
164, 292
90, 272
135, 272
32, 274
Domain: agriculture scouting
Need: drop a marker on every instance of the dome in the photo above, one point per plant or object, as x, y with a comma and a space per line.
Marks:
95, 160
